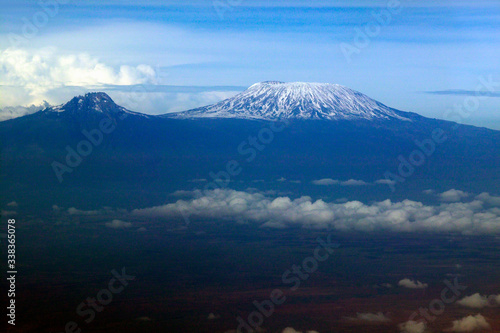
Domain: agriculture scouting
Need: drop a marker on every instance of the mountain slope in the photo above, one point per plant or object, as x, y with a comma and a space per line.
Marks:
146, 158
296, 100
92, 104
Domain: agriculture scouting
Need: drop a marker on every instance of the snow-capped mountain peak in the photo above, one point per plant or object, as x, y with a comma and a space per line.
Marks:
92, 103
299, 100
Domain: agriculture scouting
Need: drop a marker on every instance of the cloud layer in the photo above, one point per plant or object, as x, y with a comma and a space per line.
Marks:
478, 216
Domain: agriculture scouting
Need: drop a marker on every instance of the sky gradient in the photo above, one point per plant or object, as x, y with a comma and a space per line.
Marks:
420, 56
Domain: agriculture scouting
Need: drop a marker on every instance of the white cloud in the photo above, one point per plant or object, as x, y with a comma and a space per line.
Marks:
412, 327
248, 206
385, 182
118, 224
325, 181
370, 317
11, 112
479, 301
280, 212
474, 301
354, 182
489, 199
34, 73
407, 283
470, 323
12, 204
453, 195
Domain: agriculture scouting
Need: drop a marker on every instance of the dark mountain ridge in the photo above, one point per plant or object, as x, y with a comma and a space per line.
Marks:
138, 159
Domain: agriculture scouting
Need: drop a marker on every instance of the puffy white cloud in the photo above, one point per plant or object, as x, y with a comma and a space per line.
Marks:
12, 204
118, 224
474, 301
479, 301
34, 73
408, 283
469, 324
283, 211
370, 317
489, 199
325, 181
353, 182
248, 206
412, 327
453, 195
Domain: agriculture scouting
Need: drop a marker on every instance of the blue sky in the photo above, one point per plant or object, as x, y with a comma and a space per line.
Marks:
428, 46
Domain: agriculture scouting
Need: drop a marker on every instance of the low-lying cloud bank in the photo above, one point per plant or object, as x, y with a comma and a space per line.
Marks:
480, 215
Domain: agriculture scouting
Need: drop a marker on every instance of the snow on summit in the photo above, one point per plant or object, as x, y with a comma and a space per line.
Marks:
299, 100
92, 103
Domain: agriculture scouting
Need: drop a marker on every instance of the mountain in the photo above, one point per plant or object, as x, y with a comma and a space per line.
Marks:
64, 155
91, 105
296, 100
